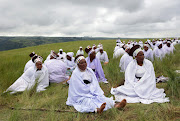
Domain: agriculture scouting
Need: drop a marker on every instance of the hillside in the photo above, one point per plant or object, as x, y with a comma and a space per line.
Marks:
54, 98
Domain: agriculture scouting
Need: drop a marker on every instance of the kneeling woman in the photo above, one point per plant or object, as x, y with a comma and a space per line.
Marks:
35, 74
140, 83
85, 93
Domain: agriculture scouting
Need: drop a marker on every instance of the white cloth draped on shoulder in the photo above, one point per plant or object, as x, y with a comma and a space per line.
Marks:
29, 78
124, 61
28, 64
119, 52
143, 90
149, 54
57, 71
86, 97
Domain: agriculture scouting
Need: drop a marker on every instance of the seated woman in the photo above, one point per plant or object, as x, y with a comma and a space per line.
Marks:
102, 56
85, 93
140, 83
29, 63
148, 53
35, 74
70, 64
57, 69
95, 64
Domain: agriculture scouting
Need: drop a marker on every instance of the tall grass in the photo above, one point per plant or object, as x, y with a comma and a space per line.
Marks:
12, 65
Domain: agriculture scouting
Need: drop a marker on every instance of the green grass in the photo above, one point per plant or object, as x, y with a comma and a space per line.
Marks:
54, 98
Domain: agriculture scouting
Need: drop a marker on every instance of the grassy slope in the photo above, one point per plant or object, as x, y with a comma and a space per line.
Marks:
12, 65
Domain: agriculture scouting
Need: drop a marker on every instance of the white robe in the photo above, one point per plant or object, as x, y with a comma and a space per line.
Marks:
57, 71
158, 53
102, 57
124, 61
70, 64
28, 64
168, 50
62, 56
86, 97
149, 54
29, 78
144, 90
80, 52
119, 52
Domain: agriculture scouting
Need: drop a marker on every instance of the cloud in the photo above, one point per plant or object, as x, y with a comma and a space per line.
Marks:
115, 18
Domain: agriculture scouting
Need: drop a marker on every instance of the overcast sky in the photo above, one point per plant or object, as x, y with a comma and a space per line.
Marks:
97, 18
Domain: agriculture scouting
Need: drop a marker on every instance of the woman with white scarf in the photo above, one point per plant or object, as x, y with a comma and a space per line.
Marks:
148, 53
140, 82
85, 93
35, 74
29, 63
158, 51
94, 63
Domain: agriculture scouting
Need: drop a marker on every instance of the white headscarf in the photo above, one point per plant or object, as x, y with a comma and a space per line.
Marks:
136, 52
70, 54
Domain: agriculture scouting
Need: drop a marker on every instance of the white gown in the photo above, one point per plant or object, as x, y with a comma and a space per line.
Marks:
149, 54
102, 57
57, 71
28, 64
124, 61
141, 90
29, 78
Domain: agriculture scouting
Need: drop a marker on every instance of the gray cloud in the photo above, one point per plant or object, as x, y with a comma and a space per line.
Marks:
125, 18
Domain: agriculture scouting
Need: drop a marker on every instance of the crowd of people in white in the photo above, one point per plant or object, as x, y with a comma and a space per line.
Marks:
84, 74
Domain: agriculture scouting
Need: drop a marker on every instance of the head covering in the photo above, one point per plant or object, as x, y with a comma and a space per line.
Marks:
32, 54
133, 49
37, 59
70, 54
53, 54
60, 49
87, 49
136, 52
147, 45
79, 59
126, 48
101, 48
80, 47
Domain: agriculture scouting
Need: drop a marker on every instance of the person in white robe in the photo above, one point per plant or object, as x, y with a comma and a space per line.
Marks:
37, 74
62, 55
140, 82
102, 56
168, 48
125, 60
117, 47
80, 51
140, 43
57, 69
148, 53
94, 63
85, 94
29, 63
70, 64
158, 51
119, 52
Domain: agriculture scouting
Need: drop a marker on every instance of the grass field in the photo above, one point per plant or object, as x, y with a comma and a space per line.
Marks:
12, 63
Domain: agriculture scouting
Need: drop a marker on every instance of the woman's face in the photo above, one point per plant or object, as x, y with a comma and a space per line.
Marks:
82, 64
140, 57
68, 57
92, 55
145, 48
39, 65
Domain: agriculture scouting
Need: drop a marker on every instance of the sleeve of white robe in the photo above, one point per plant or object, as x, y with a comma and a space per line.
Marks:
106, 57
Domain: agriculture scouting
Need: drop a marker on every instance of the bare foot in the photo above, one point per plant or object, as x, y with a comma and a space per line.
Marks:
100, 110
121, 104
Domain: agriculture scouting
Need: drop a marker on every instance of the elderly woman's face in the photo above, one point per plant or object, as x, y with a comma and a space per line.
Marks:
39, 65
140, 56
82, 64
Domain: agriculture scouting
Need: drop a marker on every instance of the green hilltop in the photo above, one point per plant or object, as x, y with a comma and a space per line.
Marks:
54, 98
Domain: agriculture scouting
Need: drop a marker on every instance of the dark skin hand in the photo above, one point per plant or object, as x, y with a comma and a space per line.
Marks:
140, 58
39, 65
82, 65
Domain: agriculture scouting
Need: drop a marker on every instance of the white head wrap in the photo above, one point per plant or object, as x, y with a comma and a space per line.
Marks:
38, 59
79, 59
92, 50
53, 54
136, 52
60, 49
70, 54
127, 48
80, 47
147, 45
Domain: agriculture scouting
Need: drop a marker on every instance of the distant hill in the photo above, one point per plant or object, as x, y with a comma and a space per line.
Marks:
8, 43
